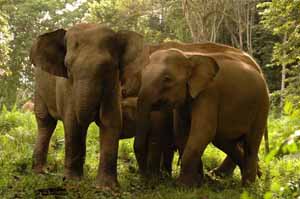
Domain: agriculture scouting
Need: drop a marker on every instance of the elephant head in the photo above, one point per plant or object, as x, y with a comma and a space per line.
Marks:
91, 57
170, 80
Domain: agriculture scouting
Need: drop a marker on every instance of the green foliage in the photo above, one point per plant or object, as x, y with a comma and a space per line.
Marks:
5, 37
285, 126
281, 17
153, 19
17, 137
23, 21
263, 43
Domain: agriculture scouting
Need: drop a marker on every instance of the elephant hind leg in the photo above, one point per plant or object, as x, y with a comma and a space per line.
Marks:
228, 165
46, 127
251, 148
226, 168
235, 155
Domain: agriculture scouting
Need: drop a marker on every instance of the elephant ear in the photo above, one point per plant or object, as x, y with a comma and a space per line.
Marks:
131, 52
48, 52
204, 69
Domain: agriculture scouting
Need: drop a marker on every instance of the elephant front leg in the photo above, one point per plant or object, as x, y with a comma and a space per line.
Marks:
168, 147
111, 126
75, 148
202, 132
107, 170
191, 173
46, 127
154, 155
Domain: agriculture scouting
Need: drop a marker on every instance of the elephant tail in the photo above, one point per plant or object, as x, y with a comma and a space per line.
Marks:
266, 137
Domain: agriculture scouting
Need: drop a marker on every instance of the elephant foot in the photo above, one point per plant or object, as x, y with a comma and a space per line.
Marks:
247, 181
248, 178
73, 175
39, 169
190, 180
221, 172
153, 178
107, 182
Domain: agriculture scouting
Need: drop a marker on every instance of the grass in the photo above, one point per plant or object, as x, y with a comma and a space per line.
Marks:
281, 177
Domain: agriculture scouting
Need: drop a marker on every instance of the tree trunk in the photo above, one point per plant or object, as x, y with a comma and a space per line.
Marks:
283, 77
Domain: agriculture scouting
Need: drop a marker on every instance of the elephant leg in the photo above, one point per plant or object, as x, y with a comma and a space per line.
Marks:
167, 160
226, 168
75, 148
168, 150
181, 121
251, 148
191, 172
107, 170
202, 132
46, 127
155, 143
235, 154
110, 116
154, 155
228, 165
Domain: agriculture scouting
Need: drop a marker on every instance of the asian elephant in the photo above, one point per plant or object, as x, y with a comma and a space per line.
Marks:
78, 73
224, 95
160, 144
131, 89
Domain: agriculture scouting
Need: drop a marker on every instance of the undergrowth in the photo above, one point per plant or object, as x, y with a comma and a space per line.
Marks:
280, 179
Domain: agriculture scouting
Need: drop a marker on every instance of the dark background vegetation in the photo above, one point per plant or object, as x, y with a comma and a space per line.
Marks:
267, 30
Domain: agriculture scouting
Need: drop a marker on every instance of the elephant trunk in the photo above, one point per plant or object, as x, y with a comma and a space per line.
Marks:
87, 101
143, 128
131, 88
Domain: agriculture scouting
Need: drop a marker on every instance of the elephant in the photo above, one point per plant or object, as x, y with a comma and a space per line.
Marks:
131, 89
160, 144
219, 92
78, 74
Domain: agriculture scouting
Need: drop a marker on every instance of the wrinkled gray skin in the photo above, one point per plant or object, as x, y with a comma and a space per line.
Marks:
78, 75
160, 145
224, 94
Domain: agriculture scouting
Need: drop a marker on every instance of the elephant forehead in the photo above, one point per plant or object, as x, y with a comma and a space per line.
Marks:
92, 35
83, 27
168, 63
163, 54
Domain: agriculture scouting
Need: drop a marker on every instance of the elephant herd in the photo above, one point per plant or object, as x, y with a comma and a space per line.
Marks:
170, 96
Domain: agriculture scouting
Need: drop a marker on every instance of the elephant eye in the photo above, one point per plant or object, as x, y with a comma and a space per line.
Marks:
167, 78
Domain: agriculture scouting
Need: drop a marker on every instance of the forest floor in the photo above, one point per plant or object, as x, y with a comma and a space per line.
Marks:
280, 179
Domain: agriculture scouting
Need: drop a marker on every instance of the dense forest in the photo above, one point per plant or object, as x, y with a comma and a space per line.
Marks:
268, 30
